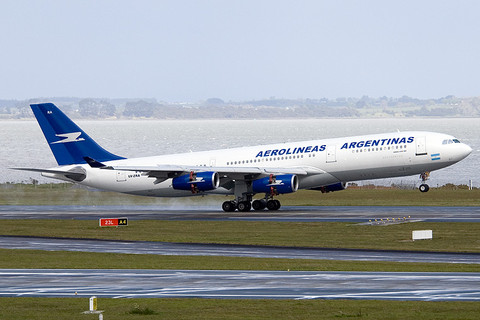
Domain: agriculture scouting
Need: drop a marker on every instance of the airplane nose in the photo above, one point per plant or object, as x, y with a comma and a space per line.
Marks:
466, 150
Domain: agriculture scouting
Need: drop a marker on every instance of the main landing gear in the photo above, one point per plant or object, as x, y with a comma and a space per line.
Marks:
424, 187
257, 205
243, 199
271, 204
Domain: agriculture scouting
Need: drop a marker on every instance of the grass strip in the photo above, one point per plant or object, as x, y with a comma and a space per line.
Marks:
71, 308
39, 259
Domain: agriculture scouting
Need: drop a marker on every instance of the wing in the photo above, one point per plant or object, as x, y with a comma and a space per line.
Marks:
227, 174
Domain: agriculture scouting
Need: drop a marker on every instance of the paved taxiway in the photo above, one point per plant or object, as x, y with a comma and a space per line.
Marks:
296, 214
240, 284
193, 249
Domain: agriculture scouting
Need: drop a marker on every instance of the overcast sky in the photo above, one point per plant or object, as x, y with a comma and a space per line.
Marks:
239, 50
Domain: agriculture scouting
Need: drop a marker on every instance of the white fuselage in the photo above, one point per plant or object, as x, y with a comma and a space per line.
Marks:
327, 161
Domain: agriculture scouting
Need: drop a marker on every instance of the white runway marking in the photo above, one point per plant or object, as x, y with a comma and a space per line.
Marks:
241, 284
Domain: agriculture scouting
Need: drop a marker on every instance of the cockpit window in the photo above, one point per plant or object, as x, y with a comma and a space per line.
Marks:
450, 141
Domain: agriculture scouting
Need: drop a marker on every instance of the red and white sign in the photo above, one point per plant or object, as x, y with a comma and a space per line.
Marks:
112, 222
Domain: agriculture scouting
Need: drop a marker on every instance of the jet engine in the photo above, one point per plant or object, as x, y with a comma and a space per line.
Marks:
197, 181
274, 185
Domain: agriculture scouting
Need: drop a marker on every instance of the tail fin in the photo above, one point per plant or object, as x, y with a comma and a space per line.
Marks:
69, 143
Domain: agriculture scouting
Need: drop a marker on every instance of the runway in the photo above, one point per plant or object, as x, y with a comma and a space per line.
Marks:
240, 284
297, 214
197, 249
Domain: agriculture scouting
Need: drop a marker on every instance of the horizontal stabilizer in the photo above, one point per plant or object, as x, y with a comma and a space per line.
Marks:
76, 174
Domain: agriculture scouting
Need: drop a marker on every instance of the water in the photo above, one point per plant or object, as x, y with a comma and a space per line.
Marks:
23, 144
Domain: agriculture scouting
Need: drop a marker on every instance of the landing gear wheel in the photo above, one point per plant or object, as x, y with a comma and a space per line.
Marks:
424, 187
244, 206
273, 205
258, 205
278, 204
228, 206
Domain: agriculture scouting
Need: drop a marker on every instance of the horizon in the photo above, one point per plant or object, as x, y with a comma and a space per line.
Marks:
241, 100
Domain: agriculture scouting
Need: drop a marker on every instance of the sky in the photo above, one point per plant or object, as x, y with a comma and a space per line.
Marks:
189, 51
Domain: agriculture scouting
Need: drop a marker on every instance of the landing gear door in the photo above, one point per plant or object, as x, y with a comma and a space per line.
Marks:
331, 153
421, 147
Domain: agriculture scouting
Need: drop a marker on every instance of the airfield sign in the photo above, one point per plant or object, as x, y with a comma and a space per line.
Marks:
113, 222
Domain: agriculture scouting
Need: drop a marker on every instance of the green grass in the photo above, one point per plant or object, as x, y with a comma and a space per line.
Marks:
453, 237
71, 308
61, 194
38, 259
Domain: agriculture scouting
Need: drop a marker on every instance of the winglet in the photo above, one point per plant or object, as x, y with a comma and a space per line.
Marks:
69, 143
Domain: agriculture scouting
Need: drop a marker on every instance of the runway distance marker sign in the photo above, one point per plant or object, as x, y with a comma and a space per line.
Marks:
113, 222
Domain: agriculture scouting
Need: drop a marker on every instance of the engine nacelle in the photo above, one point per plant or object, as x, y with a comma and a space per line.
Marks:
330, 188
285, 183
197, 181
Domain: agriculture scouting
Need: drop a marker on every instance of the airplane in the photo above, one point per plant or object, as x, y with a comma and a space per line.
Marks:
324, 165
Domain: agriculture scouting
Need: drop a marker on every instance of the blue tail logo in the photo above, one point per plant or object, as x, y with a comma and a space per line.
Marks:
69, 143
69, 137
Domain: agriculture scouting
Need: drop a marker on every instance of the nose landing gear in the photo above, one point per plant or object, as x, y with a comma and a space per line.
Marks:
424, 187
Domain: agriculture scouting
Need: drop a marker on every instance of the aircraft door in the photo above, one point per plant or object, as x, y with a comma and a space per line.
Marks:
121, 176
331, 153
421, 146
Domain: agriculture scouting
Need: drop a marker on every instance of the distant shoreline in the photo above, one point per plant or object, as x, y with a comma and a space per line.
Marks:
216, 108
